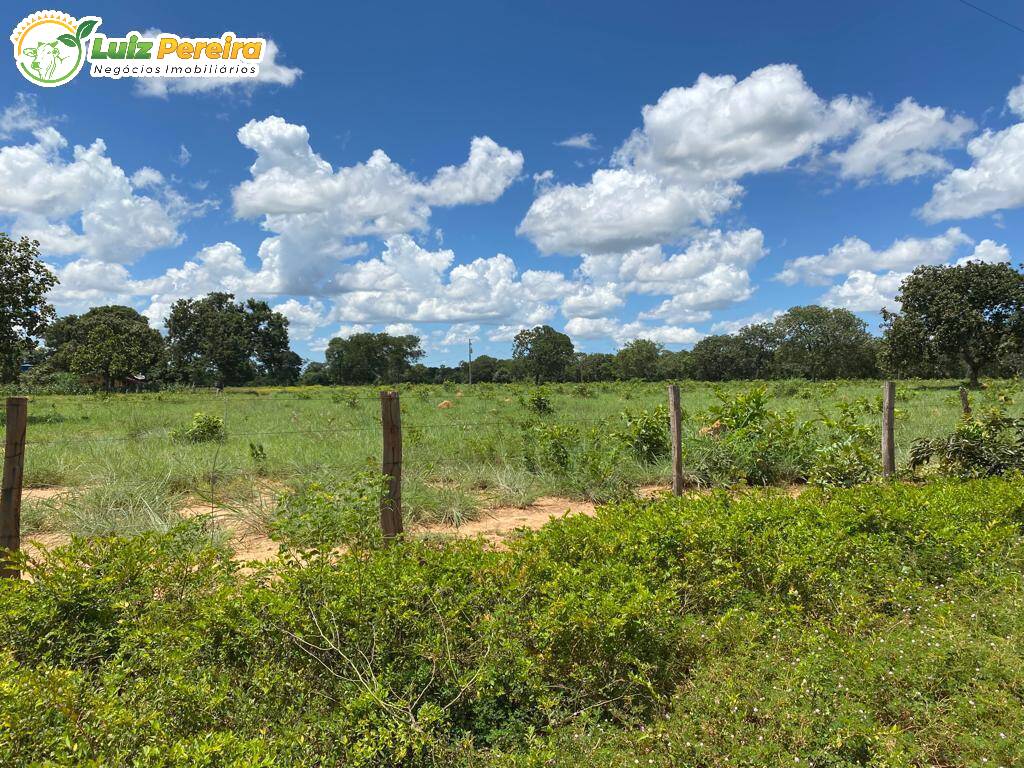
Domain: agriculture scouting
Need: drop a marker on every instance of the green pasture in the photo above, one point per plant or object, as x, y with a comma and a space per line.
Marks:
457, 460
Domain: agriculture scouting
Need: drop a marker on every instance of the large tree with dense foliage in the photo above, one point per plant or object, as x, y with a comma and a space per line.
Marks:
372, 358
272, 355
972, 313
216, 340
547, 354
315, 374
105, 345
673, 366
818, 343
638, 359
595, 366
507, 371
484, 367
727, 356
24, 311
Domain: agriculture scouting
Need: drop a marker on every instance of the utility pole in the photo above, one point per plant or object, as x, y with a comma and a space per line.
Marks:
471, 360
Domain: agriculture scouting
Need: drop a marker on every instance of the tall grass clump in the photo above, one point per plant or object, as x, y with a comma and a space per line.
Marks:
123, 508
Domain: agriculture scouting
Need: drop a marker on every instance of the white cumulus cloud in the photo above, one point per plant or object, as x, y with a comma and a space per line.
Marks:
620, 209
855, 254
903, 144
586, 328
724, 128
318, 214
85, 205
681, 168
864, 291
872, 281
304, 319
995, 179
579, 141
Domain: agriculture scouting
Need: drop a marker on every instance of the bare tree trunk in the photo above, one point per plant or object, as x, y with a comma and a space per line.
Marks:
974, 374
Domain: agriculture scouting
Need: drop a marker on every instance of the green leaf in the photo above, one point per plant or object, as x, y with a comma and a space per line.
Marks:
68, 40
85, 28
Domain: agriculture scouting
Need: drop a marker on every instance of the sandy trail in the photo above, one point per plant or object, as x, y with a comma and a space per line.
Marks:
493, 524
42, 493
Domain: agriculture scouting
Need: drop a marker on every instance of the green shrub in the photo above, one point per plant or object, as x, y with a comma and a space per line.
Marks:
258, 456
204, 428
742, 410
981, 446
585, 391
322, 516
587, 464
744, 441
849, 453
538, 402
597, 469
645, 434
552, 447
880, 625
350, 399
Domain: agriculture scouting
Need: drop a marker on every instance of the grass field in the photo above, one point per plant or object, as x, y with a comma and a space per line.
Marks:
494, 446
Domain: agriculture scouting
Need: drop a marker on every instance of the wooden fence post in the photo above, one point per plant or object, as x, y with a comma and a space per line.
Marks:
391, 503
675, 422
888, 429
965, 402
10, 494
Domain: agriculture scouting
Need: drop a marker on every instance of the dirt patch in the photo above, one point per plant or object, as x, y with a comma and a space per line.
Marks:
497, 523
34, 544
244, 524
196, 508
30, 494
653, 491
255, 547
492, 524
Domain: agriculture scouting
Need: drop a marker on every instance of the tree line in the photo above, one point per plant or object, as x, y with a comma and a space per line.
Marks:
965, 320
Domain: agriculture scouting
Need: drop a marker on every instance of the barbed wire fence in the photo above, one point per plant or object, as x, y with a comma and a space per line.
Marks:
388, 425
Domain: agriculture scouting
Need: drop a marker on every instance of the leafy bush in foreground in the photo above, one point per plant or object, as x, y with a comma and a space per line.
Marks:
882, 625
991, 444
322, 516
646, 434
848, 455
745, 441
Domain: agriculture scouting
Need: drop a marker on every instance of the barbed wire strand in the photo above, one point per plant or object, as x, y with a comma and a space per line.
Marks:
162, 435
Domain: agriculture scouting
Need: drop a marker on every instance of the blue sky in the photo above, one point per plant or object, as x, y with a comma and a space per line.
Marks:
406, 166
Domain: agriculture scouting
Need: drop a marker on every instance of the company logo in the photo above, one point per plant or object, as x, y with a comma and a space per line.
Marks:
51, 47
